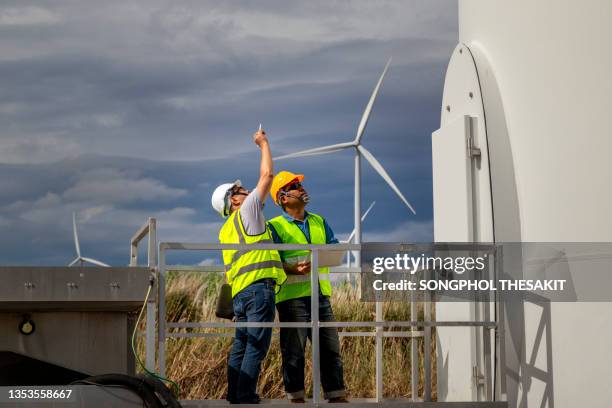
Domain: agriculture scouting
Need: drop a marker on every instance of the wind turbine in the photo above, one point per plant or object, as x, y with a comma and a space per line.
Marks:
80, 258
359, 151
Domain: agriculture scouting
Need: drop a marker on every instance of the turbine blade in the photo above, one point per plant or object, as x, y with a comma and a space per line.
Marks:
380, 170
366, 114
76, 237
363, 217
75, 261
317, 150
95, 262
350, 238
365, 214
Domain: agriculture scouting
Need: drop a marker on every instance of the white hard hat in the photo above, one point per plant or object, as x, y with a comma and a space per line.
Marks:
221, 197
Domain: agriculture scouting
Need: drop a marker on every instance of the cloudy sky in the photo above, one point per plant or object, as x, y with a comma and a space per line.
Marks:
123, 111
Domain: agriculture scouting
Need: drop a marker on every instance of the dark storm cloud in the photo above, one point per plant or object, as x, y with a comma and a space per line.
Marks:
89, 90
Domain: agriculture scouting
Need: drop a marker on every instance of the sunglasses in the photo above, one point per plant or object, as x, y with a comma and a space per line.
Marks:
293, 186
238, 191
230, 193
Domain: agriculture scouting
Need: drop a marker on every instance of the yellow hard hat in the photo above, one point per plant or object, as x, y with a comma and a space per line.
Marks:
281, 180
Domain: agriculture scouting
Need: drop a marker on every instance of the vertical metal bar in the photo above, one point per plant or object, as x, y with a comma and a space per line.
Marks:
486, 334
161, 319
379, 330
314, 313
414, 352
348, 257
357, 205
134, 254
150, 328
486, 341
489, 342
427, 345
150, 336
476, 346
379, 351
152, 247
499, 380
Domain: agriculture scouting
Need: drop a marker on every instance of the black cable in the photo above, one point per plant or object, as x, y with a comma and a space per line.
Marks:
133, 343
150, 389
136, 385
160, 388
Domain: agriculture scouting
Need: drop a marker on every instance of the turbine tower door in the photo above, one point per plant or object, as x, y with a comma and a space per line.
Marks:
462, 213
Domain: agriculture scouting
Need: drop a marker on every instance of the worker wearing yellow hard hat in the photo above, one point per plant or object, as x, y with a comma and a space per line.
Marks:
281, 180
298, 226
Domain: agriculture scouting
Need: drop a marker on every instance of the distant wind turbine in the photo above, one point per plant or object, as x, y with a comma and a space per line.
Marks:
359, 151
80, 258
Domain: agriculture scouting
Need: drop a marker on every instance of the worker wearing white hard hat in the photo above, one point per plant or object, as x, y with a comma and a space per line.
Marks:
252, 274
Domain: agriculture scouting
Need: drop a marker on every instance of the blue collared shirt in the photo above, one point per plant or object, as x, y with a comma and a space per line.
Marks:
303, 226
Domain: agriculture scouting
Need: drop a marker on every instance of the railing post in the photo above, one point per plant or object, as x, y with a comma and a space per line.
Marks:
379, 350
133, 254
414, 352
152, 244
486, 343
499, 387
150, 327
314, 313
161, 310
427, 344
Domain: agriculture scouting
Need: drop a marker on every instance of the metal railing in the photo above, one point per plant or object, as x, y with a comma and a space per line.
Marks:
379, 324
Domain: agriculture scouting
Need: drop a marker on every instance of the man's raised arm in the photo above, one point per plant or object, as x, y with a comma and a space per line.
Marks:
266, 169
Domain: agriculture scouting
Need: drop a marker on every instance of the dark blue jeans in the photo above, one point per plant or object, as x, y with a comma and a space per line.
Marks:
293, 344
255, 303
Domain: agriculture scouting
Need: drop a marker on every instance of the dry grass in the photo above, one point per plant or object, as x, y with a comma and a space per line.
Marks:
198, 365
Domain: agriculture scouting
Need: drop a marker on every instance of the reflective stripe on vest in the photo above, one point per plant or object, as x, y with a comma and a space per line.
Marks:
304, 278
243, 267
237, 254
297, 286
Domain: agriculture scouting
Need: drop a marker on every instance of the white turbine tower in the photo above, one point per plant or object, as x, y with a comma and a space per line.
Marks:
80, 258
359, 151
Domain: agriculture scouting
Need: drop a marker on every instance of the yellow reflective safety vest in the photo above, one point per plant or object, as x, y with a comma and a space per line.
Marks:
243, 267
297, 286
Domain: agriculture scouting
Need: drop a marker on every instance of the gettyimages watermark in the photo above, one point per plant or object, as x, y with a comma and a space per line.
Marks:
556, 272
